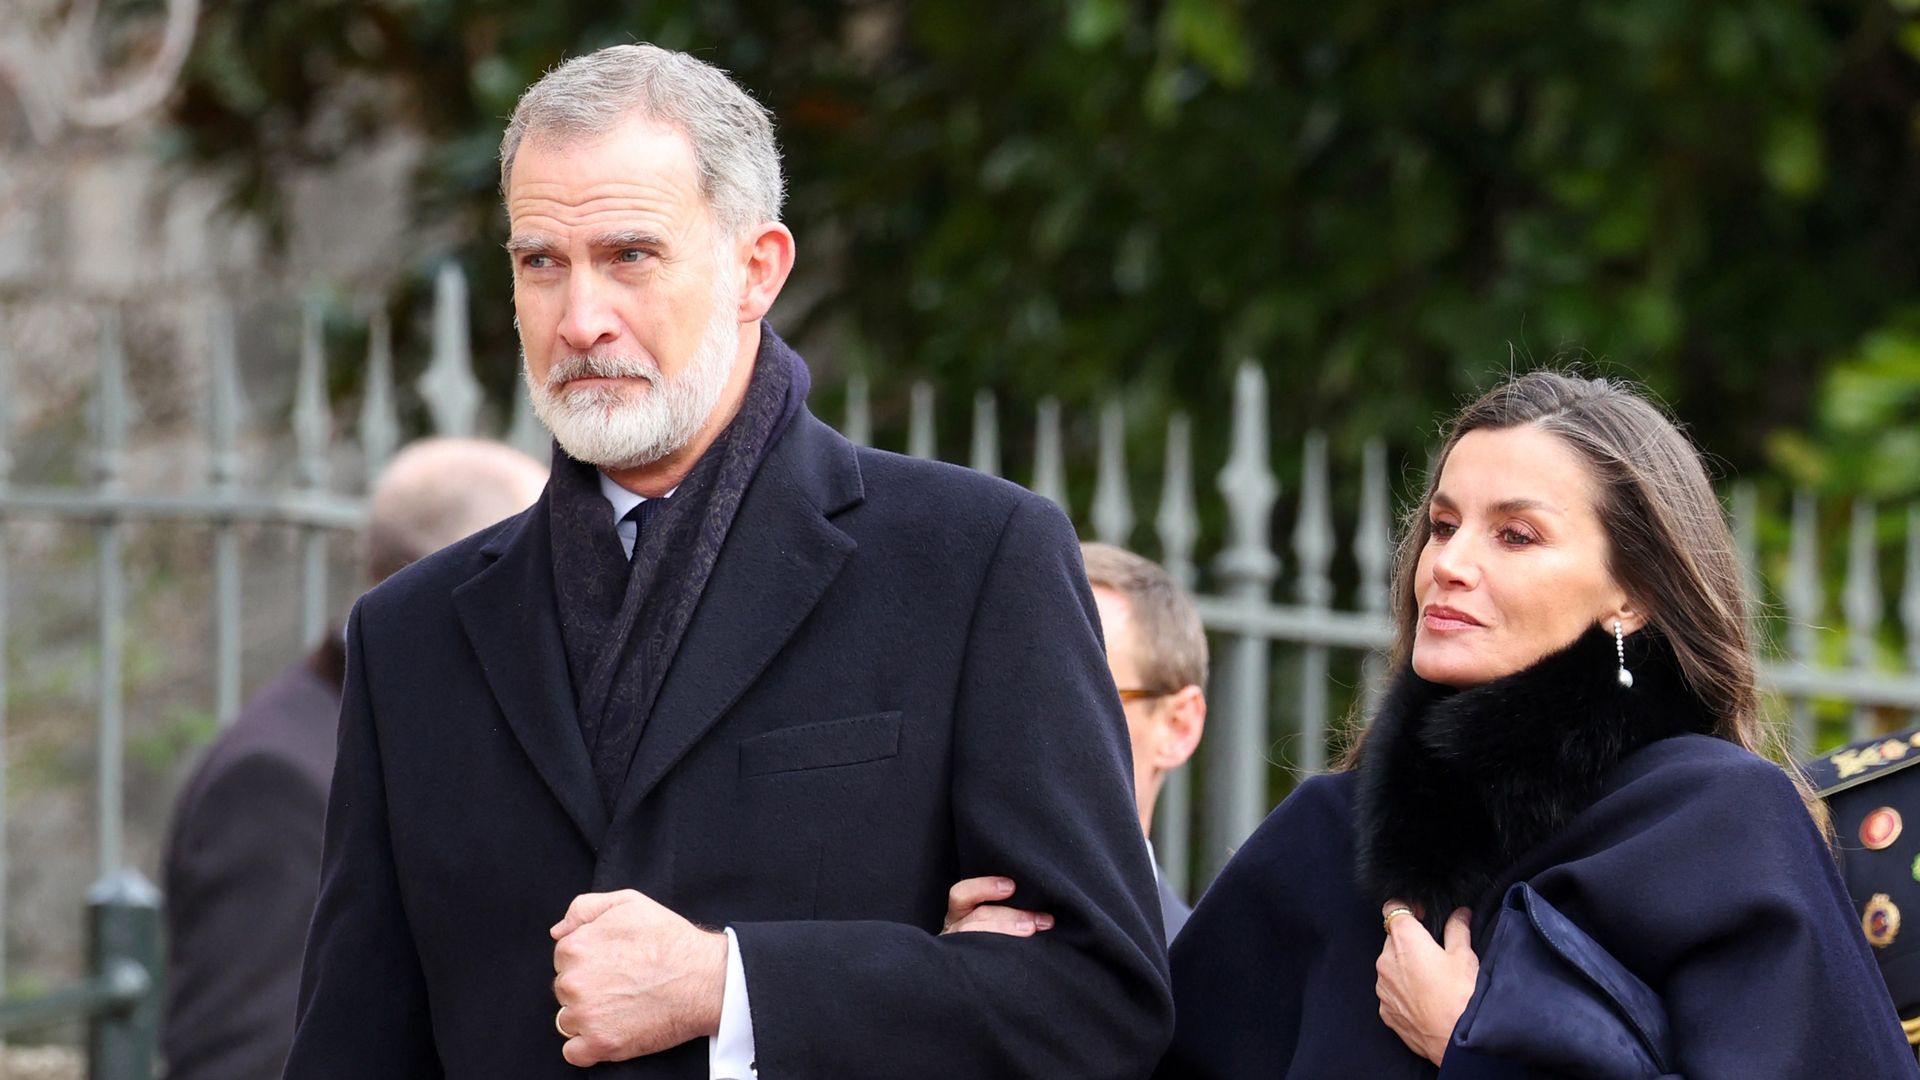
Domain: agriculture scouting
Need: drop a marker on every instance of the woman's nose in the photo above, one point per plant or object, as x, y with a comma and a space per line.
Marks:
1455, 567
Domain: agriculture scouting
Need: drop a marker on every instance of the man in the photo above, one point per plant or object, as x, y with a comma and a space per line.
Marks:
243, 856
690, 750
1157, 653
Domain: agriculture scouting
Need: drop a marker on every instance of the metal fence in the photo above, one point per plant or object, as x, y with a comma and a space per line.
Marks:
1254, 731
119, 1001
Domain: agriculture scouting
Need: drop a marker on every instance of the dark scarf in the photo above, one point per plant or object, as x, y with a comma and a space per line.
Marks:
1456, 786
621, 621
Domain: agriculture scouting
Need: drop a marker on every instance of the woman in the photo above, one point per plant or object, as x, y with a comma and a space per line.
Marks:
1574, 709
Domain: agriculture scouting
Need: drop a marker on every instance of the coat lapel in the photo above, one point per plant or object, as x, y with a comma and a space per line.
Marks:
779, 557
508, 612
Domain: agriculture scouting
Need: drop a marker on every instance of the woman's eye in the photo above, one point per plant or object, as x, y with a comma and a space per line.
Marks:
1441, 529
1515, 537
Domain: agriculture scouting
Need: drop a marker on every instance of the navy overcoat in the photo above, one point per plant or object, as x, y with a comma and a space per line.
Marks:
893, 679
1698, 867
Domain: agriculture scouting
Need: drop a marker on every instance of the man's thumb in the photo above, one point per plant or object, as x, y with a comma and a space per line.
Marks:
585, 908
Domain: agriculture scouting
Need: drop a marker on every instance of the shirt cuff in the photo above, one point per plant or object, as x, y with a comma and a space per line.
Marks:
730, 1054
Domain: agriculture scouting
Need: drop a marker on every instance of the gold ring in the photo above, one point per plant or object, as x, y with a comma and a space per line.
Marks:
1386, 923
564, 1033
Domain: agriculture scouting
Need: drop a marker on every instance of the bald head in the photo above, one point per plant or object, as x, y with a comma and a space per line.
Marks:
437, 491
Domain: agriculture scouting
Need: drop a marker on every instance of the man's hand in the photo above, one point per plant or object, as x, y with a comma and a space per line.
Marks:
633, 978
1423, 988
971, 909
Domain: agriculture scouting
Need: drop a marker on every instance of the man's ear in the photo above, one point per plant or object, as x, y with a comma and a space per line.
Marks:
1177, 729
769, 257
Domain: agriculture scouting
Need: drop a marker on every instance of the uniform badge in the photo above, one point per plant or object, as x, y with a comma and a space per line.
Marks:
1879, 829
1916, 868
1881, 921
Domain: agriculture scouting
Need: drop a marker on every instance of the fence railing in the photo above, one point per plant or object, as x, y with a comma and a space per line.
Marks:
1253, 731
119, 1001
1240, 611
1249, 720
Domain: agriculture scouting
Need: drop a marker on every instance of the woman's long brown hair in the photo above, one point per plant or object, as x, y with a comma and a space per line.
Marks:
1668, 542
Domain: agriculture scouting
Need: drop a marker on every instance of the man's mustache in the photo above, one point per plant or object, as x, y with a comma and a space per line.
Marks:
589, 366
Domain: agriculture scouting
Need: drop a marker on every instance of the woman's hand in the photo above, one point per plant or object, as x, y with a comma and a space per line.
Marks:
971, 909
1423, 988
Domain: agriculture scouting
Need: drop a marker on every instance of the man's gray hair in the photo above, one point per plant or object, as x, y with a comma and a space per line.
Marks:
731, 133
1170, 645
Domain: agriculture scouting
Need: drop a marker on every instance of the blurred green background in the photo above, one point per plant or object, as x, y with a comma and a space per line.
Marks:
1383, 203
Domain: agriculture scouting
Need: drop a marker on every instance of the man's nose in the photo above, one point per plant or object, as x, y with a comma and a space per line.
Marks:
589, 319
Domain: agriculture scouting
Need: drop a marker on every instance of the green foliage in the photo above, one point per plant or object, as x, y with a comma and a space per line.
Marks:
1865, 432
1377, 200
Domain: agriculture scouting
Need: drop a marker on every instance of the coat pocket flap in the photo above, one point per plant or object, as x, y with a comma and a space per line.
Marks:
823, 745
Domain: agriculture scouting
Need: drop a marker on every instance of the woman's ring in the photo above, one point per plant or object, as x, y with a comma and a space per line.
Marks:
564, 1033
1386, 923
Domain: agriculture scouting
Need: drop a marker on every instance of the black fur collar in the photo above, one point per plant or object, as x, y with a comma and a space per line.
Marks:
1455, 786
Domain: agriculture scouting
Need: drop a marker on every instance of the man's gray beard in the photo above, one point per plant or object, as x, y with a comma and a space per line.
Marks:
616, 428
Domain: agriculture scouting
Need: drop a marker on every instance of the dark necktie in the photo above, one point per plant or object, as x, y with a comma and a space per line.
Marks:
642, 517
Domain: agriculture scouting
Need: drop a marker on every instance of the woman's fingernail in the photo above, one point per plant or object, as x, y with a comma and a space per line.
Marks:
1044, 922
1024, 924
1003, 885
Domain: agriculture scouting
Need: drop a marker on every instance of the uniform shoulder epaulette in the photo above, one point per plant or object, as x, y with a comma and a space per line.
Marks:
1868, 759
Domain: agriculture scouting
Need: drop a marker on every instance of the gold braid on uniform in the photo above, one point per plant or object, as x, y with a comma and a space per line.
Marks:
1913, 1030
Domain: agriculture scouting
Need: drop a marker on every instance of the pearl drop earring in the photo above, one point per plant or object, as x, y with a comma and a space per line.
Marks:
1620, 650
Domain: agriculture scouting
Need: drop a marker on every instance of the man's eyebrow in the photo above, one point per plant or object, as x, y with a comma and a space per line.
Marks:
629, 238
1504, 506
529, 245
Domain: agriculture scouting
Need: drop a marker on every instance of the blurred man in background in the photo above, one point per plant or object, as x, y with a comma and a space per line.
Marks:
243, 858
1157, 651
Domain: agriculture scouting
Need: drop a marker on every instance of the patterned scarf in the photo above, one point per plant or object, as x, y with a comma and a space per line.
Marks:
621, 621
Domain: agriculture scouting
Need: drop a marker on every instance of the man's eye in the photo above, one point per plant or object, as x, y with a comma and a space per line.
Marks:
630, 255
537, 262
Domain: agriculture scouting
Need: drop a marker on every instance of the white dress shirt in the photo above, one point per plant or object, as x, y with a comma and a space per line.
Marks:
730, 1054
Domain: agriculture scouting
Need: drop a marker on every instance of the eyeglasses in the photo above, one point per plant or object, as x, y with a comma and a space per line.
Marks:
1137, 694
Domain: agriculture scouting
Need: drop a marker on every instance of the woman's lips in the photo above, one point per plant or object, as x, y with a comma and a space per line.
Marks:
1446, 618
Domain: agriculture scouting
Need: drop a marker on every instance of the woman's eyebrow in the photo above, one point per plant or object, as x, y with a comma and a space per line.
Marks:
1522, 506
1504, 506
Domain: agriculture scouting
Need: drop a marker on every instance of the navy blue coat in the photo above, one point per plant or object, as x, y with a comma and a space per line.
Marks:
893, 679
1698, 867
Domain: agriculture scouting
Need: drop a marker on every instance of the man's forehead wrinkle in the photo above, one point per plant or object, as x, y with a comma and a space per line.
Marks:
564, 202
651, 187
531, 215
